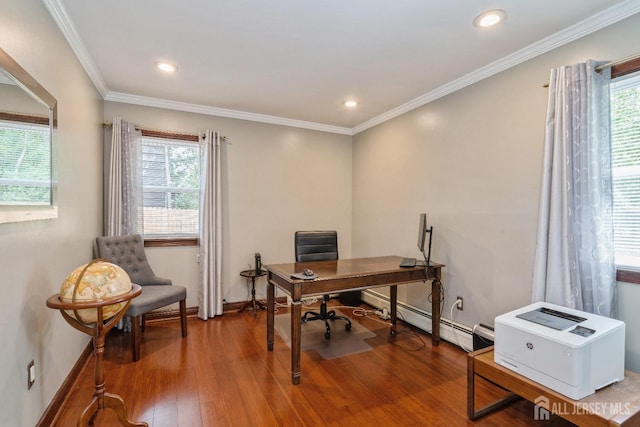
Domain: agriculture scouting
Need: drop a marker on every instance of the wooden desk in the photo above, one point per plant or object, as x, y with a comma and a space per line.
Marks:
345, 275
615, 405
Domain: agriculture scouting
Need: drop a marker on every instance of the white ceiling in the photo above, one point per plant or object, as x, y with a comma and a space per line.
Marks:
295, 62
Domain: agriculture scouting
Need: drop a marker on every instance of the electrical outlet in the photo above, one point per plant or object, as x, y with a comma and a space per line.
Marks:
31, 374
460, 303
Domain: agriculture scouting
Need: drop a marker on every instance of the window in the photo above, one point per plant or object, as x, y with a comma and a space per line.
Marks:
25, 164
625, 146
170, 187
28, 119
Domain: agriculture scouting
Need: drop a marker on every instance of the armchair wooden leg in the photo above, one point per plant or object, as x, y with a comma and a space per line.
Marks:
183, 317
135, 337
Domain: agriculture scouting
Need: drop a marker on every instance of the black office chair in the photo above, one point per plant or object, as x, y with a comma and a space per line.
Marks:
319, 246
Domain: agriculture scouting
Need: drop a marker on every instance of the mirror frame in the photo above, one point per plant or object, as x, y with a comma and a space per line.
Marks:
24, 80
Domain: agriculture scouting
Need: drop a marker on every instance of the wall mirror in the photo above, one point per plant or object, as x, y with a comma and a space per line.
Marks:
27, 152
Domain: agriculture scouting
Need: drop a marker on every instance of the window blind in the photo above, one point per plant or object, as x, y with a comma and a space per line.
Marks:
25, 164
625, 146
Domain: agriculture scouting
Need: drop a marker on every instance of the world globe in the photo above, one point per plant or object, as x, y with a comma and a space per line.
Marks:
95, 281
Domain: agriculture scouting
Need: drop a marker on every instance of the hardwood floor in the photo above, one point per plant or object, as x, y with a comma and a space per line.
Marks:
221, 374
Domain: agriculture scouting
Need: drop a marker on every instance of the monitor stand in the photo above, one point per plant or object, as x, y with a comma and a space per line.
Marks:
427, 256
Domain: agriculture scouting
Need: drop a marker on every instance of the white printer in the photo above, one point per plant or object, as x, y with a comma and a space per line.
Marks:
570, 351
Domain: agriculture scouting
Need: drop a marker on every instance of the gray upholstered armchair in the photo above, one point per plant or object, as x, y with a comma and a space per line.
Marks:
128, 253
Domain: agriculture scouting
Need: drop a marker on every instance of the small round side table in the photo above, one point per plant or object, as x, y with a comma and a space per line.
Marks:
252, 274
98, 330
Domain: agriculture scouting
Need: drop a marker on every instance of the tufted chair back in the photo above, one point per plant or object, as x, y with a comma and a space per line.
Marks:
128, 253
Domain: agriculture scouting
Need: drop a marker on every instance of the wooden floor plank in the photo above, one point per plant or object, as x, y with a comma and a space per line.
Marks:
221, 374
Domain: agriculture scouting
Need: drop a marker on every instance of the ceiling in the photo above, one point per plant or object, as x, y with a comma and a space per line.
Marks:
295, 62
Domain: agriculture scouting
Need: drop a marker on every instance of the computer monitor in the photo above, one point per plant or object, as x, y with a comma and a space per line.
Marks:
423, 243
422, 231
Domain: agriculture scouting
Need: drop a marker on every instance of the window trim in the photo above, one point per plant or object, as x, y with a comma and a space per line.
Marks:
625, 68
171, 242
628, 276
25, 118
628, 67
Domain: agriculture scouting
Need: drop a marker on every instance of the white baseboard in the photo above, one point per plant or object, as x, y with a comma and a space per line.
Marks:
453, 332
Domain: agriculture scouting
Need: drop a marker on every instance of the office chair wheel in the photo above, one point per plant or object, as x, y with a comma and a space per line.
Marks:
327, 330
347, 326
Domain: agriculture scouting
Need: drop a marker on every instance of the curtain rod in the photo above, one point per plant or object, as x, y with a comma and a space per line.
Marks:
612, 64
159, 132
617, 62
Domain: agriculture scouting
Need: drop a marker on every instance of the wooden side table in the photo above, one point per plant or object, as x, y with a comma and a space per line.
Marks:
98, 330
614, 405
252, 274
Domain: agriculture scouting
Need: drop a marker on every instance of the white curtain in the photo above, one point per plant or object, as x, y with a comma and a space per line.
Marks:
124, 183
210, 290
574, 264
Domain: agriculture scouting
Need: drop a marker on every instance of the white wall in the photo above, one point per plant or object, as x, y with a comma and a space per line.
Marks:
628, 299
13, 99
36, 256
472, 161
276, 180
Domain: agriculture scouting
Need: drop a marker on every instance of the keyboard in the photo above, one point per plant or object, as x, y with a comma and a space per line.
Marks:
408, 262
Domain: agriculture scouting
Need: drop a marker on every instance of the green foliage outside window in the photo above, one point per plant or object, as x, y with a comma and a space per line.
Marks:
171, 182
625, 123
625, 144
184, 173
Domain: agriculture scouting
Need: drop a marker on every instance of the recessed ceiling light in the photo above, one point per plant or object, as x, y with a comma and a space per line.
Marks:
490, 18
165, 66
350, 104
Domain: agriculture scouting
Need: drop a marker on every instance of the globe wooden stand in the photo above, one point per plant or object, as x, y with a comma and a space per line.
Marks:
98, 330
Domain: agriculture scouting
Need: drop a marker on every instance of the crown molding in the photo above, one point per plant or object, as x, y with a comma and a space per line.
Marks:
594, 23
222, 112
59, 15
581, 29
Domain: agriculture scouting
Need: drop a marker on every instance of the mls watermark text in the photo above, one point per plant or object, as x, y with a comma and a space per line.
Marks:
543, 408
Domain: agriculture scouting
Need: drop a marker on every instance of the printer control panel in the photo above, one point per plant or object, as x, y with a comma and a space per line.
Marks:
582, 331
